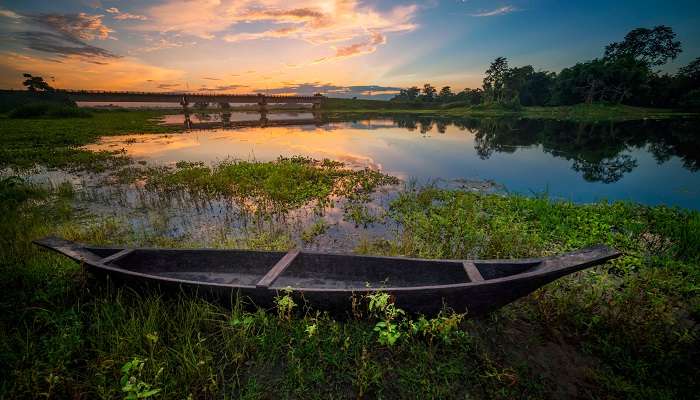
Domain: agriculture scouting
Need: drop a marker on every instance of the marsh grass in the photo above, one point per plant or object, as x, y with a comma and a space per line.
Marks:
624, 330
262, 188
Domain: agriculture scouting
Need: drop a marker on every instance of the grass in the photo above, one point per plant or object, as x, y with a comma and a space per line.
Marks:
578, 113
263, 187
55, 142
624, 330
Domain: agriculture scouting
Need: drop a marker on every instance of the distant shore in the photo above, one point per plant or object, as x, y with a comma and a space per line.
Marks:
580, 112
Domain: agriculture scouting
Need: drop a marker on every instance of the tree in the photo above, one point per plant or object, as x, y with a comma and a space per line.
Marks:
409, 94
36, 83
691, 71
445, 93
429, 92
653, 47
494, 80
471, 96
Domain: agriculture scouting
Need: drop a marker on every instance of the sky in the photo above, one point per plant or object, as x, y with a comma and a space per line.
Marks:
341, 48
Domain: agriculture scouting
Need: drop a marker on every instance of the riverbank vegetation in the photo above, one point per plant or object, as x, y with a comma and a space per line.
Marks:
55, 142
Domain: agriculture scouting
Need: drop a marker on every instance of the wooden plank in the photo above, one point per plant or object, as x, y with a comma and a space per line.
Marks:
472, 272
116, 256
277, 270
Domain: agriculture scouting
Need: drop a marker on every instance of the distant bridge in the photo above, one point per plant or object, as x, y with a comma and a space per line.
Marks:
182, 98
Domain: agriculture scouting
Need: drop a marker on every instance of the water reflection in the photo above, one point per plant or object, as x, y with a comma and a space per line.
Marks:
205, 120
653, 162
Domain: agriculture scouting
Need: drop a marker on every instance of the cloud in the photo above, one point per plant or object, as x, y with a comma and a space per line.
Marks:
211, 79
118, 15
81, 73
222, 88
161, 43
498, 11
168, 85
366, 47
79, 26
61, 45
64, 35
362, 26
9, 14
310, 88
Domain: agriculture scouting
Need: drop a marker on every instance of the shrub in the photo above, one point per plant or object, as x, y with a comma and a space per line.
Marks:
44, 109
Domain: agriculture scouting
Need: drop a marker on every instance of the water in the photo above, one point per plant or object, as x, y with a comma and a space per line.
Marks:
650, 162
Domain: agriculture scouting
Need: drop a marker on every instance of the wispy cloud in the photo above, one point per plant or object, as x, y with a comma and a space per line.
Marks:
63, 34
221, 88
168, 86
498, 11
310, 88
61, 45
118, 15
9, 14
79, 26
365, 47
363, 25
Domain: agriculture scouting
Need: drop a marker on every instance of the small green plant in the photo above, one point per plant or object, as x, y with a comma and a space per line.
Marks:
285, 304
132, 384
445, 327
318, 228
382, 306
312, 329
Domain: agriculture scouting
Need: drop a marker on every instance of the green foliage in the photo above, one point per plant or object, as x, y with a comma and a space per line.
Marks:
316, 229
285, 304
265, 187
132, 385
52, 110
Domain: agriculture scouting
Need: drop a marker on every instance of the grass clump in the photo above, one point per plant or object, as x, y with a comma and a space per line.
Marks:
265, 187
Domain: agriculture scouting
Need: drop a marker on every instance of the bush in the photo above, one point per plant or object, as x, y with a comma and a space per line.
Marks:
34, 110
30, 110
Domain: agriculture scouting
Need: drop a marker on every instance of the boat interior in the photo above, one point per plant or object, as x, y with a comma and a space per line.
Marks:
304, 270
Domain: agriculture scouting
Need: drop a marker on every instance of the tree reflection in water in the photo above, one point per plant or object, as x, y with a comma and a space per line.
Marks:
598, 151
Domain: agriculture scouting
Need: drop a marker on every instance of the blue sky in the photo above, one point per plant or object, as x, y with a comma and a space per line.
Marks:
344, 47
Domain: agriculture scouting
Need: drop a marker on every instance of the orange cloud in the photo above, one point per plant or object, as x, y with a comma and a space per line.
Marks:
316, 22
75, 72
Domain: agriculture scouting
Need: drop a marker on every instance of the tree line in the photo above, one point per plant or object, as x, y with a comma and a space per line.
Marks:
625, 74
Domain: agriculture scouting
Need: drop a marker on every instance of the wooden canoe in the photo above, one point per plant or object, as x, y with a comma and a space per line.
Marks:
328, 281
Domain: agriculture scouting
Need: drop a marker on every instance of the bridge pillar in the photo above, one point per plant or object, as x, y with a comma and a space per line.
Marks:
262, 103
188, 121
184, 103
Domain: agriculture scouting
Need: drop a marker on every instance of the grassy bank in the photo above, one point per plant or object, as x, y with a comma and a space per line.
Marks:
54, 142
628, 329
579, 113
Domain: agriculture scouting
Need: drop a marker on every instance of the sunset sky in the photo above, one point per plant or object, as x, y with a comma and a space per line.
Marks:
341, 48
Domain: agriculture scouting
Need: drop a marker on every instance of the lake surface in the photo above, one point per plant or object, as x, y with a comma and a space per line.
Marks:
651, 162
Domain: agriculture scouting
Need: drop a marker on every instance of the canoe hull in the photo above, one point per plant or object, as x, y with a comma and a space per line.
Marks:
487, 284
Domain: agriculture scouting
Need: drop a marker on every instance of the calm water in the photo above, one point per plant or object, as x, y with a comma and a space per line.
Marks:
651, 162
